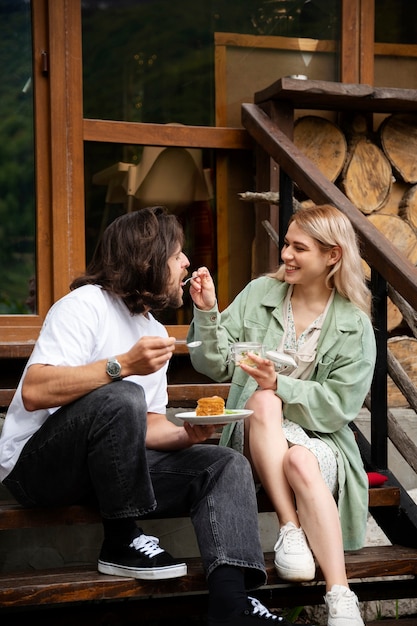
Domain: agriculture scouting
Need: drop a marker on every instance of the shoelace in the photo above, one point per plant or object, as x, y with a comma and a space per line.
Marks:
295, 539
261, 610
147, 544
348, 601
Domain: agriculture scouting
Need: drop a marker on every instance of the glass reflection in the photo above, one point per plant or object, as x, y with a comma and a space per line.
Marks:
17, 199
153, 61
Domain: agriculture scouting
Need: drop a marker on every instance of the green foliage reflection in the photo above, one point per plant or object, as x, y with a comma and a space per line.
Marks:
17, 203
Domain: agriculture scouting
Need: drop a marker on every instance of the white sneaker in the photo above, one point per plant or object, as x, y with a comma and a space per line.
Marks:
293, 558
343, 607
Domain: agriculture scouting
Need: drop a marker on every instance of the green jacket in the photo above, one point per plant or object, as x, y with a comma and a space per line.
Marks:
325, 404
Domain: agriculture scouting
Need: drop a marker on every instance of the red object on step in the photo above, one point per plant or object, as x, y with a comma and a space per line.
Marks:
375, 479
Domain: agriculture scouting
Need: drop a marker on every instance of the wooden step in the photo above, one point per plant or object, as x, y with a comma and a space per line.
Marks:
186, 394
403, 621
384, 496
81, 584
378, 497
6, 396
13, 515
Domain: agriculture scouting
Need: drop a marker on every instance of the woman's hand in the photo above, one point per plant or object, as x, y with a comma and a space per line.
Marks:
202, 290
263, 371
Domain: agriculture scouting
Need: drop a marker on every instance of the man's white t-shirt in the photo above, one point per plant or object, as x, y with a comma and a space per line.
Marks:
86, 325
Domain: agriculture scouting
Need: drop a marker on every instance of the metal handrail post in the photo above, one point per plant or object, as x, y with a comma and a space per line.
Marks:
379, 387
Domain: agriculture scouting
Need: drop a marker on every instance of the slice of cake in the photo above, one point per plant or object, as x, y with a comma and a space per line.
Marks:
213, 405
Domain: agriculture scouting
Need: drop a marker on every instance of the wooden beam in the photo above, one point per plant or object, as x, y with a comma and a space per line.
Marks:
67, 176
43, 168
366, 42
357, 41
135, 133
334, 96
303, 44
349, 41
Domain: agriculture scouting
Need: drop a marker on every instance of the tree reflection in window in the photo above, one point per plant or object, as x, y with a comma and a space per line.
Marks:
17, 197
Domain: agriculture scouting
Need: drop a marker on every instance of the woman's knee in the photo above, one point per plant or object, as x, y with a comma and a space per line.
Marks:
300, 466
265, 405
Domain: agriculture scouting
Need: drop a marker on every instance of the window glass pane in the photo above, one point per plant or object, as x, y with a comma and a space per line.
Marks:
17, 198
395, 21
153, 61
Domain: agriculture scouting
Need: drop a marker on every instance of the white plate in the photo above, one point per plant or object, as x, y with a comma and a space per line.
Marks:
231, 416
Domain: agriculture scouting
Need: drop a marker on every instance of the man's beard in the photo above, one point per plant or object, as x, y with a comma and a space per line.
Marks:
175, 299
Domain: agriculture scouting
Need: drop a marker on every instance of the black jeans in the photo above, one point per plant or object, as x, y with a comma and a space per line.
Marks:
93, 450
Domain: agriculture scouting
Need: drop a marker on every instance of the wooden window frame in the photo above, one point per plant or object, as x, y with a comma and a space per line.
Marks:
60, 133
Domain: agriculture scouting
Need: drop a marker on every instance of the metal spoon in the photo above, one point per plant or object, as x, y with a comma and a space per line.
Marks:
192, 344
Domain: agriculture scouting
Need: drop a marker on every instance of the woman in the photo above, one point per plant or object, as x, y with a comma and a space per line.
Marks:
302, 450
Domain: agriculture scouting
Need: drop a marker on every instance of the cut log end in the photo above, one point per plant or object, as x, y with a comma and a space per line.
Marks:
367, 177
323, 143
398, 136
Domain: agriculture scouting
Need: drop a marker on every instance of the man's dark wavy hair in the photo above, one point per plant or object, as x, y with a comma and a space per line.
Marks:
131, 260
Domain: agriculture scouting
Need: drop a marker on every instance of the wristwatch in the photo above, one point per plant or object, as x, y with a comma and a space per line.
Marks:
113, 368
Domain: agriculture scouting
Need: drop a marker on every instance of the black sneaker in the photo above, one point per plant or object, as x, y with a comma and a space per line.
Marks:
142, 558
255, 615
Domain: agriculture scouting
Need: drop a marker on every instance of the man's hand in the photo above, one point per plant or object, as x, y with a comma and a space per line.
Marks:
198, 433
148, 355
162, 434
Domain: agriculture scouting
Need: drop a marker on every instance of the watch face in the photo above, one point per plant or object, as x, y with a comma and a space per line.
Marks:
113, 369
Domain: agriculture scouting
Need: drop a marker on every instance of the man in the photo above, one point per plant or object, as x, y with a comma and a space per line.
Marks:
88, 424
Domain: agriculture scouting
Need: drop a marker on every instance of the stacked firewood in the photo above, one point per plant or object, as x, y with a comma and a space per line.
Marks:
377, 171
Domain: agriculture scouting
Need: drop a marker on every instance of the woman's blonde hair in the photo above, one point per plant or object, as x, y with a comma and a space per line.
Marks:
330, 227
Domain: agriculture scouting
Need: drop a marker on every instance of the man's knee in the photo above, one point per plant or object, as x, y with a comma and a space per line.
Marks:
122, 400
237, 465
121, 391
129, 392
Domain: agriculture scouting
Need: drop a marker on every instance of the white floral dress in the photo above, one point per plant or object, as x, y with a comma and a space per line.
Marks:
303, 351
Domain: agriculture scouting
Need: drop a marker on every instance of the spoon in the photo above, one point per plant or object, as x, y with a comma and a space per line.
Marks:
186, 281
192, 344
